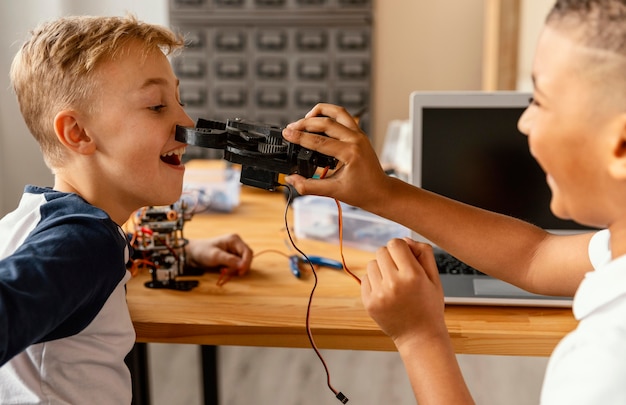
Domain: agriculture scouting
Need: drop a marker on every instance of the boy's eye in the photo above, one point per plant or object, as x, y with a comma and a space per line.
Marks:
157, 108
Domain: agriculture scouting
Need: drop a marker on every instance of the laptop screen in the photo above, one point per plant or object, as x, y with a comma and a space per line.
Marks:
466, 146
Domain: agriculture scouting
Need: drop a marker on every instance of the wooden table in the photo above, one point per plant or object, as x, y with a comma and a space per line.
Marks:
268, 306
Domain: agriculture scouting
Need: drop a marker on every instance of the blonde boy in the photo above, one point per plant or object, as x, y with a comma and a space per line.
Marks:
100, 97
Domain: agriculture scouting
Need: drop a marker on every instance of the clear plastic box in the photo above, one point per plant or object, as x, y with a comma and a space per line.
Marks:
316, 218
214, 188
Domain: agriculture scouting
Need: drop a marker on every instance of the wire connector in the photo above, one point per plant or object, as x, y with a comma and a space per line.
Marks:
342, 397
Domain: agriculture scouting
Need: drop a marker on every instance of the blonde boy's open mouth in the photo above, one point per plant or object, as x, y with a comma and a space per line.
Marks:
173, 157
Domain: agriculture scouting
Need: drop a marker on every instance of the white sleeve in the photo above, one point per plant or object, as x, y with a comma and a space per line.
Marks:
600, 249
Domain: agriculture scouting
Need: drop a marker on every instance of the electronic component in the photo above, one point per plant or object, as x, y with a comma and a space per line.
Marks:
259, 148
159, 245
298, 263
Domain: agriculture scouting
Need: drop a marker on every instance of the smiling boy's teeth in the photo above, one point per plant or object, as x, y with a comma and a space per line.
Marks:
179, 151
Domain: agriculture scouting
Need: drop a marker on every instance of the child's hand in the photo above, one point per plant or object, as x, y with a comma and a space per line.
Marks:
359, 178
228, 251
402, 291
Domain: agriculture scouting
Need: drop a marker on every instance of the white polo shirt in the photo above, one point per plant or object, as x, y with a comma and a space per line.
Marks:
589, 365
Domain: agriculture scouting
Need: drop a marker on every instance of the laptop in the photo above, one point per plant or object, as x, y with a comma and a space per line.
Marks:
466, 146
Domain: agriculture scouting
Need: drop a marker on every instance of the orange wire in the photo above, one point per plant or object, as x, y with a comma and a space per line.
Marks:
340, 225
271, 251
324, 171
343, 260
226, 274
135, 221
134, 270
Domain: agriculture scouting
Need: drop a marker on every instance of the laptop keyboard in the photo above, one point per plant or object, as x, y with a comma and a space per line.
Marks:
448, 264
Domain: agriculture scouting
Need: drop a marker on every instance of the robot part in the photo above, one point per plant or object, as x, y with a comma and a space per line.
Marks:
259, 148
160, 246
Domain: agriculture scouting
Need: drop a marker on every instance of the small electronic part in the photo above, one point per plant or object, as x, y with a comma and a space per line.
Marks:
299, 264
259, 148
159, 245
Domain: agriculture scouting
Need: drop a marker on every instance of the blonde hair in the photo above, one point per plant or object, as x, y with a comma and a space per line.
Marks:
54, 69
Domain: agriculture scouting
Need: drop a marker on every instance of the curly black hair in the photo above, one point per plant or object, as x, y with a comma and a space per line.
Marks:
599, 24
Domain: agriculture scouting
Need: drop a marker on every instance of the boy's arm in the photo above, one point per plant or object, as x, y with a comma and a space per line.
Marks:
504, 247
57, 281
501, 246
402, 293
434, 372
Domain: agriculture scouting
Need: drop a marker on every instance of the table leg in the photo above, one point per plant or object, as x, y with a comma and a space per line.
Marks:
137, 363
209, 375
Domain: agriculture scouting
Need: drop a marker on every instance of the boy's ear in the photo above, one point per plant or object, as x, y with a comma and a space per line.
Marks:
72, 134
618, 165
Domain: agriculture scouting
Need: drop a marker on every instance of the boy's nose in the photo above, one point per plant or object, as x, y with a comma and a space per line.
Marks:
186, 120
524, 122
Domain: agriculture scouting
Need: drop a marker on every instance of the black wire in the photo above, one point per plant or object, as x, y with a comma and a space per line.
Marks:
308, 309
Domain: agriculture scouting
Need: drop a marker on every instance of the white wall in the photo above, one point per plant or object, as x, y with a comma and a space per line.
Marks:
532, 15
423, 45
20, 159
